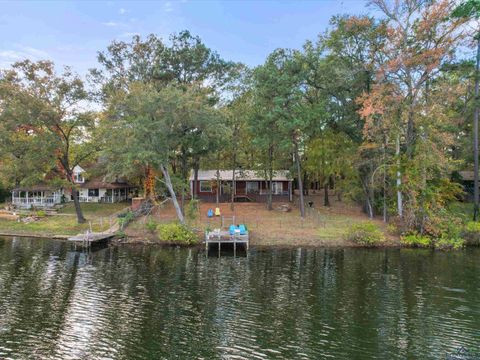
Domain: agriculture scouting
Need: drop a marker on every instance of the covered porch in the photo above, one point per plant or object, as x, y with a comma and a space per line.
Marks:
27, 198
105, 192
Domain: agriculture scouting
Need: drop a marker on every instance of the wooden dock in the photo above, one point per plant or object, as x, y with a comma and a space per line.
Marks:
220, 237
88, 239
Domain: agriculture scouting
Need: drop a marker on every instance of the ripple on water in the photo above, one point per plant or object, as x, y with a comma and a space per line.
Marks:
145, 303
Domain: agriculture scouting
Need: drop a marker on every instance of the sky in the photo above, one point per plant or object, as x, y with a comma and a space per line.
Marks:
71, 33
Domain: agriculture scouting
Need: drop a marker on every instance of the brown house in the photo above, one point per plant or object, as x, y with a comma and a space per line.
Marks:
249, 185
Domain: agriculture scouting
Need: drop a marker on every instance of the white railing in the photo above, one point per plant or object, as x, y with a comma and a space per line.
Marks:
35, 201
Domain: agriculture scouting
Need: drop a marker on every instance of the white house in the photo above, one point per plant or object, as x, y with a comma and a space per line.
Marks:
94, 190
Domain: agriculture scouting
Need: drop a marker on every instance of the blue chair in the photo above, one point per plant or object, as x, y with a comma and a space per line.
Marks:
232, 229
243, 229
210, 213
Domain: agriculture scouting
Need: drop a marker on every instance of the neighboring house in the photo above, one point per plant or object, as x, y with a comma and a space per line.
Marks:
95, 190
249, 185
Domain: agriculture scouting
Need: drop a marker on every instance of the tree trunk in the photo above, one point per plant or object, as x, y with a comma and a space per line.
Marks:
368, 204
399, 179
234, 166
299, 175
168, 182
78, 209
326, 201
232, 199
149, 185
270, 178
384, 180
269, 193
195, 180
475, 137
305, 183
218, 187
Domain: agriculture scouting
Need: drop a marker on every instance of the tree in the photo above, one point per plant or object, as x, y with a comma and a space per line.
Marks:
470, 9
184, 62
278, 85
420, 41
47, 111
328, 156
147, 121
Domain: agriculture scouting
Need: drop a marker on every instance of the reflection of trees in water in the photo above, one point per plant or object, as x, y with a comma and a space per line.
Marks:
140, 301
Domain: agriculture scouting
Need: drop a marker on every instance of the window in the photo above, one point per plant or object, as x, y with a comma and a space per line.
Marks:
252, 187
92, 192
277, 187
78, 178
205, 186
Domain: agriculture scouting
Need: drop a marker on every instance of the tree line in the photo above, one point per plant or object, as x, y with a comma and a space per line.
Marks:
383, 109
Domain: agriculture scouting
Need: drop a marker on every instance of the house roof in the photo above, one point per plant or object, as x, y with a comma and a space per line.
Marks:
99, 183
38, 187
252, 175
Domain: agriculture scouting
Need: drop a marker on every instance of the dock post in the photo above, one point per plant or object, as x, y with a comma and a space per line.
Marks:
219, 246
234, 247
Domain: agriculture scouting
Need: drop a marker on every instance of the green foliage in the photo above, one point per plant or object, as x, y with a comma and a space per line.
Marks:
415, 240
449, 243
125, 218
151, 225
177, 234
471, 233
365, 234
192, 209
41, 213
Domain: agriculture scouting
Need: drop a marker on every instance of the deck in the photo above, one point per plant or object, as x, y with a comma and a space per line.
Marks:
88, 239
220, 237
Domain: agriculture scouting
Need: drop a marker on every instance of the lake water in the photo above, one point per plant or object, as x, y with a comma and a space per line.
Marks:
140, 302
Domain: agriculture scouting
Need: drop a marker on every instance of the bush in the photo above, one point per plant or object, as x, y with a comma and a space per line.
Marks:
151, 225
471, 233
41, 213
365, 234
415, 240
446, 243
451, 235
192, 209
177, 233
125, 218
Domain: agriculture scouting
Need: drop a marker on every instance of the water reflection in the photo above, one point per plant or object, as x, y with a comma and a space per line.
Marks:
153, 303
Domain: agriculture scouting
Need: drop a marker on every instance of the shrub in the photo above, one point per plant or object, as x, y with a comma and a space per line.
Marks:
416, 240
366, 234
125, 218
151, 225
41, 213
451, 235
177, 233
192, 209
471, 233
446, 243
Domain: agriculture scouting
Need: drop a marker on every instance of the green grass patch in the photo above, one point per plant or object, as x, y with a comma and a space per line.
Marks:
176, 233
365, 234
66, 222
94, 209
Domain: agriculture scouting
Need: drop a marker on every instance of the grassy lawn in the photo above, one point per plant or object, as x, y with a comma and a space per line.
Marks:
66, 222
323, 226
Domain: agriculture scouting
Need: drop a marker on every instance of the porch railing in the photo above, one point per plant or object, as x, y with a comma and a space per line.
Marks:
36, 201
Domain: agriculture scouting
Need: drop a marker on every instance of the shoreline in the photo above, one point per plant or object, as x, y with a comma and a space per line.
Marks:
137, 241
131, 240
